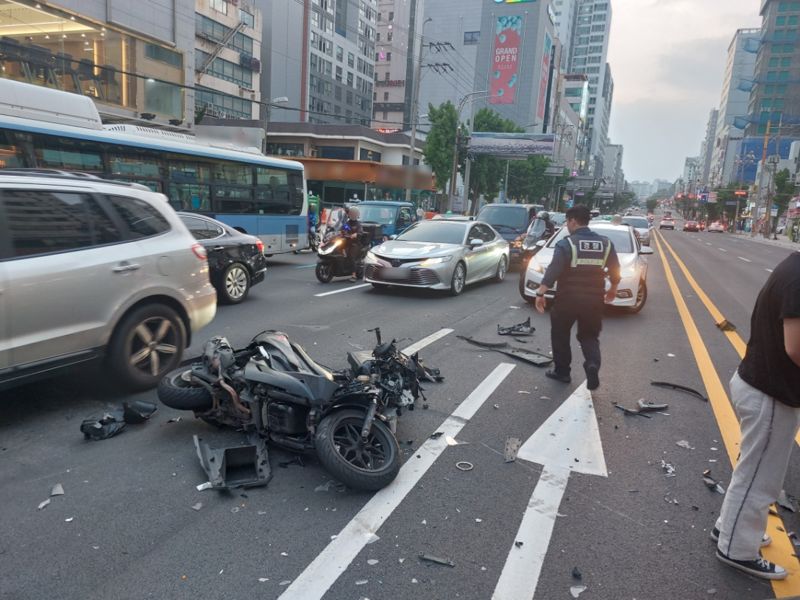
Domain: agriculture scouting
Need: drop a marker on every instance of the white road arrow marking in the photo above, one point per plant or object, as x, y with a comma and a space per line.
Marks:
568, 441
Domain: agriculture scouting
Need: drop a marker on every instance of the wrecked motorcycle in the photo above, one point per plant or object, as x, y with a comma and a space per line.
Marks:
275, 389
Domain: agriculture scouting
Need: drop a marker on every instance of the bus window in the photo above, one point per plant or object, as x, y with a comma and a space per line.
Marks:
11, 155
133, 166
237, 200
189, 172
235, 173
187, 196
68, 154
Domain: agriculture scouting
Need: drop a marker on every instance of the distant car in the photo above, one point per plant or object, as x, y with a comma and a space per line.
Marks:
691, 226
667, 223
440, 255
641, 226
236, 260
716, 227
392, 216
632, 289
511, 221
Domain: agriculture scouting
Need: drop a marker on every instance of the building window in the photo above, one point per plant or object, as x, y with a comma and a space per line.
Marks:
219, 6
391, 16
172, 58
472, 38
246, 18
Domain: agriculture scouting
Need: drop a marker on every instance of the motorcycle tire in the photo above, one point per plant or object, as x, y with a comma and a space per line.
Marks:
339, 450
324, 272
176, 392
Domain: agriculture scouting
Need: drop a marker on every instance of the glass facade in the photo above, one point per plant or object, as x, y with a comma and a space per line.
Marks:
47, 47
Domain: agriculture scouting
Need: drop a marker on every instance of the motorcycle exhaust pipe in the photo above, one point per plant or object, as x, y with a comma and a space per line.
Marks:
368, 419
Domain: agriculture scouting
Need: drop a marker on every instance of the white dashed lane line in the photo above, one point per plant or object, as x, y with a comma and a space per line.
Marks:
747, 260
768, 270
722, 250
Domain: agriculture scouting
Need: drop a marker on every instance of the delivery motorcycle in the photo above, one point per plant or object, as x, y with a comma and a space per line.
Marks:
273, 388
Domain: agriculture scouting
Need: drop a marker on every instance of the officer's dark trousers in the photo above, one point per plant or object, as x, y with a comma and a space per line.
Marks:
589, 315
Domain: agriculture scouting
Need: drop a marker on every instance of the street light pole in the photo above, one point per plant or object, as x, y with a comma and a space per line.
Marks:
454, 173
415, 109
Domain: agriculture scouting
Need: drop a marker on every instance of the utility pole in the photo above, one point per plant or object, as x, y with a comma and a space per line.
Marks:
415, 109
454, 173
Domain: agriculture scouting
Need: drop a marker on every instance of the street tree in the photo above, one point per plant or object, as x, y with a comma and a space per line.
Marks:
439, 148
652, 204
527, 180
784, 190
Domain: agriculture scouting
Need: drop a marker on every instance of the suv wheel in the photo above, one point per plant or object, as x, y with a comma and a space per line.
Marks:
147, 344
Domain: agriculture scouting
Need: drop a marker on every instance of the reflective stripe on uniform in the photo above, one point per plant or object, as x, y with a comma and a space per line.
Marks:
587, 262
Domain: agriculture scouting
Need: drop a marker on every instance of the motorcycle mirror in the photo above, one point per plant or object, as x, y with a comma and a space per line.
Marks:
264, 354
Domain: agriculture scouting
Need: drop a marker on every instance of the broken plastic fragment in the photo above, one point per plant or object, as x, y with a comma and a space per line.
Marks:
174, 420
244, 465
712, 483
650, 406
680, 388
512, 447
668, 468
372, 562
576, 574
436, 560
362, 582
138, 411
464, 465
285, 582
103, 427
69, 519
684, 444
43, 503
577, 590
204, 486
523, 328
197, 506
263, 579
58, 490
726, 325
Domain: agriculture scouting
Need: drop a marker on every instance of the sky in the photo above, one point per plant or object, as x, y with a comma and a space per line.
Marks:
668, 60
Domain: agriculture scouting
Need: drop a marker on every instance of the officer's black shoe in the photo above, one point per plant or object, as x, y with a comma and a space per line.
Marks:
592, 377
558, 377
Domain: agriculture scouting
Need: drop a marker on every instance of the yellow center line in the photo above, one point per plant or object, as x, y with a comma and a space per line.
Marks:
781, 551
733, 337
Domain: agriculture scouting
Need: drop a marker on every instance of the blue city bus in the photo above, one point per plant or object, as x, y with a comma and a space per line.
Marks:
251, 192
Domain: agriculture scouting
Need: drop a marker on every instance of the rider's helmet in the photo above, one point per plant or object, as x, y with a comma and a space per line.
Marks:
543, 215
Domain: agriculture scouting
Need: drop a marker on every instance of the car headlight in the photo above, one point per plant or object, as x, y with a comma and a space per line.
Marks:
438, 260
333, 246
371, 257
629, 271
536, 266
517, 243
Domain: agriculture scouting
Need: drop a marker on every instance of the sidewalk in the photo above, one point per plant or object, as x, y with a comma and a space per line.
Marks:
782, 241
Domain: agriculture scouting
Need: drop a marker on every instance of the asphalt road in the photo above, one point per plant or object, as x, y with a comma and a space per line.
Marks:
125, 527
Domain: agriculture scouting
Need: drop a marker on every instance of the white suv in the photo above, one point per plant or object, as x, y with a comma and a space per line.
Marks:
92, 268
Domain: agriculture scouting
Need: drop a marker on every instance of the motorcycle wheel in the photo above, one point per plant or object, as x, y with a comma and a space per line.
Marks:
324, 272
371, 466
176, 391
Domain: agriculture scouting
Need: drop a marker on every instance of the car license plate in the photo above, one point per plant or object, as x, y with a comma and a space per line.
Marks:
395, 274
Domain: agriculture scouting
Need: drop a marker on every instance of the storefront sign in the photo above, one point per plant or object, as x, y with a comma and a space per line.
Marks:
504, 71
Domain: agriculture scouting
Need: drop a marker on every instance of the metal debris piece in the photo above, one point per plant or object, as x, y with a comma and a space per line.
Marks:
103, 427
326, 487
174, 420
237, 466
362, 582
645, 406
669, 469
138, 411
684, 444
577, 590
533, 358
784, 501
43, 503
631, 412
58, 490
519, 544
296, 460
712, 483
372, 562
436, 560
576, 574
512, 447
681, 388
523, 392
436, 435
197, 506
726, 325
464, 465
523, 328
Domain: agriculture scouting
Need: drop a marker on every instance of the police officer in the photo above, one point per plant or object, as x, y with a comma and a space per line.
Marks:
579, 264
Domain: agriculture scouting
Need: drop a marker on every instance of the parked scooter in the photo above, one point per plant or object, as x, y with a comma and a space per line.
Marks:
275, 389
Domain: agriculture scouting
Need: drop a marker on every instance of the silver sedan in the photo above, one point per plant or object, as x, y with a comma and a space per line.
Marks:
441, 255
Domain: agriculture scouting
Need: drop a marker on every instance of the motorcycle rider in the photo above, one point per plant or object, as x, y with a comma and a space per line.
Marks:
352, 231
549, 226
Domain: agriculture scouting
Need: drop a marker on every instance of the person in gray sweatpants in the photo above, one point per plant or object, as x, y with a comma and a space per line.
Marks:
766, 397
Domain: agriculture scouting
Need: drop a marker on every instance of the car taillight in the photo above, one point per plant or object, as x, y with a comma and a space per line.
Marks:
260, 245
199, 252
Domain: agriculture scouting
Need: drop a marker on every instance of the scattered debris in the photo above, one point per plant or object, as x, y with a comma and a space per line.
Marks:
518, 329
237, 466
681, 388
545, 398
43, 504
669, 469
69, 519
138, 411
523, 392
684, 444
650, 406
671, 355
296, 460
479, 520
204, 486
436, 560
576, 574
436, 435
533, 358
726, 325
464, 465
519, 544
362, 582
512, 447
372, 562
197, 506
326, 487
103, 427
784, 501
174, 420
631, 412
577, 590
263, 579
712, 483
285, 582
711, 591
451, 441
58, 490
496, 406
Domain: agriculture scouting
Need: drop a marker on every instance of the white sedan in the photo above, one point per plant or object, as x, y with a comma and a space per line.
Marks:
632, 289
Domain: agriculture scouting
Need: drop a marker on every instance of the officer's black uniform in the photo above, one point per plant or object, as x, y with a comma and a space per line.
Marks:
579, 263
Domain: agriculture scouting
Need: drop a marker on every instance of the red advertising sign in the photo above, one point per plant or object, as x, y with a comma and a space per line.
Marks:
548, 46
504, 71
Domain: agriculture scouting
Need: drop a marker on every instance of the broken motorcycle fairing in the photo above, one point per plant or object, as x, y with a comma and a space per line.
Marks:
275, 389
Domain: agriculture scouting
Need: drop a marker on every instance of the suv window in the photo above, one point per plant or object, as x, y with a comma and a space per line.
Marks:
41, 222
142, 219
201, 229
405, 218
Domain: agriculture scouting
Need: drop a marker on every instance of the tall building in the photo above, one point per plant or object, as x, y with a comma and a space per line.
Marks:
707, 147
589, 55
612, 168
739, 69
455, 25
776, 83
227, 59
136, 62
515, 62
322, 58
565, 13
398, 41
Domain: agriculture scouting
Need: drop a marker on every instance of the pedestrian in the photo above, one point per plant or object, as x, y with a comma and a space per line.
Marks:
578, 266
765, 393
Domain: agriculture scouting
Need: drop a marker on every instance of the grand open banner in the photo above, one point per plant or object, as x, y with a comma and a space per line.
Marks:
504, 73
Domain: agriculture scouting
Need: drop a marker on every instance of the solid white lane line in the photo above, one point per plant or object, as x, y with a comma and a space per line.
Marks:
722, 250
426, 341
708, 244
744, 259
768, 270
347, 289
315, 581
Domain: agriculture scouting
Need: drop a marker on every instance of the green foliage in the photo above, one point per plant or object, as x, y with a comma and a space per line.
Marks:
438, 150
526, 179
652, 204
784, 190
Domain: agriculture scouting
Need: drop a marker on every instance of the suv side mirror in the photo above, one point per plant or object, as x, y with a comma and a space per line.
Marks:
541, 243
646, 250
475, 243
